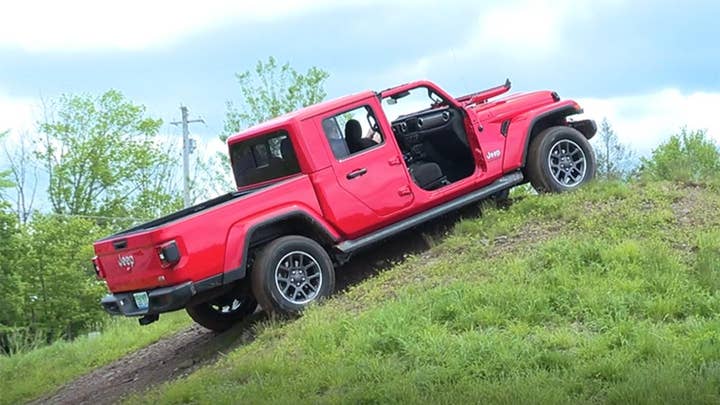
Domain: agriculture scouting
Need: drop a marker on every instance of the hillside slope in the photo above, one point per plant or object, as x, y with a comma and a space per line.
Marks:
609, 294
34, 373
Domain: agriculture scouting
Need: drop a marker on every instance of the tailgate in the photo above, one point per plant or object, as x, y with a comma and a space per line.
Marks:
131, 262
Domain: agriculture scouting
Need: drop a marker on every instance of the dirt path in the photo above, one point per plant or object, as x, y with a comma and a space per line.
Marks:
183, 353
167, 359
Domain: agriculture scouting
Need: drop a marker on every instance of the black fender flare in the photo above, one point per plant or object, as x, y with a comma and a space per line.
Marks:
560, 112
313, 229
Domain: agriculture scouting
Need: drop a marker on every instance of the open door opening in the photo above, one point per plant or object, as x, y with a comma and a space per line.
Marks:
431, 134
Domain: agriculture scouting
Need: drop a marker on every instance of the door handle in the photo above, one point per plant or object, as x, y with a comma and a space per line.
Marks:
356, 173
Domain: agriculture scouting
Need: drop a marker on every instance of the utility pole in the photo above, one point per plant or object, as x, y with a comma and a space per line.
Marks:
186, 151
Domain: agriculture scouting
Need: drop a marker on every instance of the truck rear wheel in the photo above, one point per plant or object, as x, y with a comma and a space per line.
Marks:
291, 272
220, 314
560, 159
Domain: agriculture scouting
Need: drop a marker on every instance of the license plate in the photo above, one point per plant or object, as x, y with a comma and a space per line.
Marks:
141, 300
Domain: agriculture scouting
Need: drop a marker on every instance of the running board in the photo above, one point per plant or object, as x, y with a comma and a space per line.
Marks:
501, 184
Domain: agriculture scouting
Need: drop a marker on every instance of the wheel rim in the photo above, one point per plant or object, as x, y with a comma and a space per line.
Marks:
298, 277
567, 163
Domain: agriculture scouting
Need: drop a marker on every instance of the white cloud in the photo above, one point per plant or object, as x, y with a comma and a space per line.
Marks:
644, 121
18, 115
526, 26
131, 24
78, 25
526, 32
522, 32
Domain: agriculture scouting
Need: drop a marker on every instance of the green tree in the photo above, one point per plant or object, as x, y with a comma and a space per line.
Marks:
614, 159
60, 292
159, 186
4, 174
24, 176
12, 291
268, 91
690, 156
99, 153
271, 90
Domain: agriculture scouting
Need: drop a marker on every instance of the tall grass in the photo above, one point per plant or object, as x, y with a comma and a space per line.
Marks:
29, 374
14, 341
615, 301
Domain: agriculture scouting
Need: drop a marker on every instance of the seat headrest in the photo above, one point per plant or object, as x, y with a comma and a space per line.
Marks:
286, 149
353, 131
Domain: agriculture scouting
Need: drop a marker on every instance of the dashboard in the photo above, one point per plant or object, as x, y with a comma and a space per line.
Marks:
436, 135
413, 129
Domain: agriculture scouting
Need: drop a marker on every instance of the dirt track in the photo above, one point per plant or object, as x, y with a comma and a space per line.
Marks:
164, 360
188, 350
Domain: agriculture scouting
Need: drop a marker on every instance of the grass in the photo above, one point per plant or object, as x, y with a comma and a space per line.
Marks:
29, 375
607, 295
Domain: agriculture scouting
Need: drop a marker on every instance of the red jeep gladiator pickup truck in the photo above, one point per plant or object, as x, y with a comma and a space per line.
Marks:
316, 185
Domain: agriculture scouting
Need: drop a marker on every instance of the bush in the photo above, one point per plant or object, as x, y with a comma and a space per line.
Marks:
52, 291
689, 157
62, 275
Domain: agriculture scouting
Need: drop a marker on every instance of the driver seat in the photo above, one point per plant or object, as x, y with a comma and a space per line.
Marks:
354, 139
427, 175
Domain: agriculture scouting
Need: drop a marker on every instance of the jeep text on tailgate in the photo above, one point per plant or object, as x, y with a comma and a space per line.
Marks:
316, 185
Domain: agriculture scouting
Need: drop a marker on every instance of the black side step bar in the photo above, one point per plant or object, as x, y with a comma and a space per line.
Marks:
502, 183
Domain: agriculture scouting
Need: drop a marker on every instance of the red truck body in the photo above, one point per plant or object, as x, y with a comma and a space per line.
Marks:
345, 204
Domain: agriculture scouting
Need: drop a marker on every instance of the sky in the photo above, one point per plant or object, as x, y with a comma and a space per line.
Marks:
649, 67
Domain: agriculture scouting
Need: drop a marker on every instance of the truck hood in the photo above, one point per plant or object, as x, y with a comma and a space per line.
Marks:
514, 104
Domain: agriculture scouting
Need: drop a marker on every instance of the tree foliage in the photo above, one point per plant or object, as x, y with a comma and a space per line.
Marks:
614, 159
4, 174
24, 177
271, 90
105, 163
690, 156
47, 284
267, 91
99, 153
11, 283
61, 293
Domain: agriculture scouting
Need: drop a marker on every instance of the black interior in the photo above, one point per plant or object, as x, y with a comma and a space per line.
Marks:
354, 138
264, 158
435, 146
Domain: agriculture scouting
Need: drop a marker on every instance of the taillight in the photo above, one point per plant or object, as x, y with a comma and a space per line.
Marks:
169, 253
99, 273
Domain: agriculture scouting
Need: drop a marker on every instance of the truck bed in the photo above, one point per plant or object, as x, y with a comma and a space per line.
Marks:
183, 213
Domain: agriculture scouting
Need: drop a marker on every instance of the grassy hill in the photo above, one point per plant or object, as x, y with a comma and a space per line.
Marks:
610, 294
607, 295
30, 374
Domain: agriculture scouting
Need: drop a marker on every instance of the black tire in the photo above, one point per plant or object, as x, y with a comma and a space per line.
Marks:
572, 163
291, 272
221, 313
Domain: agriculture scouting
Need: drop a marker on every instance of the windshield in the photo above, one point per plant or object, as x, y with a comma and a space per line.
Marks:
263, 158
411, 101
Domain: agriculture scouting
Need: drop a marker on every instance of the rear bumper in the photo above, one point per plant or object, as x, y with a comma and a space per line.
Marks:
166, 299
160, 300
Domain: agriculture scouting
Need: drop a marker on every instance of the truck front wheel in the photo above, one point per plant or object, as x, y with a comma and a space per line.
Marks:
560, 159
220, 314
291, 272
